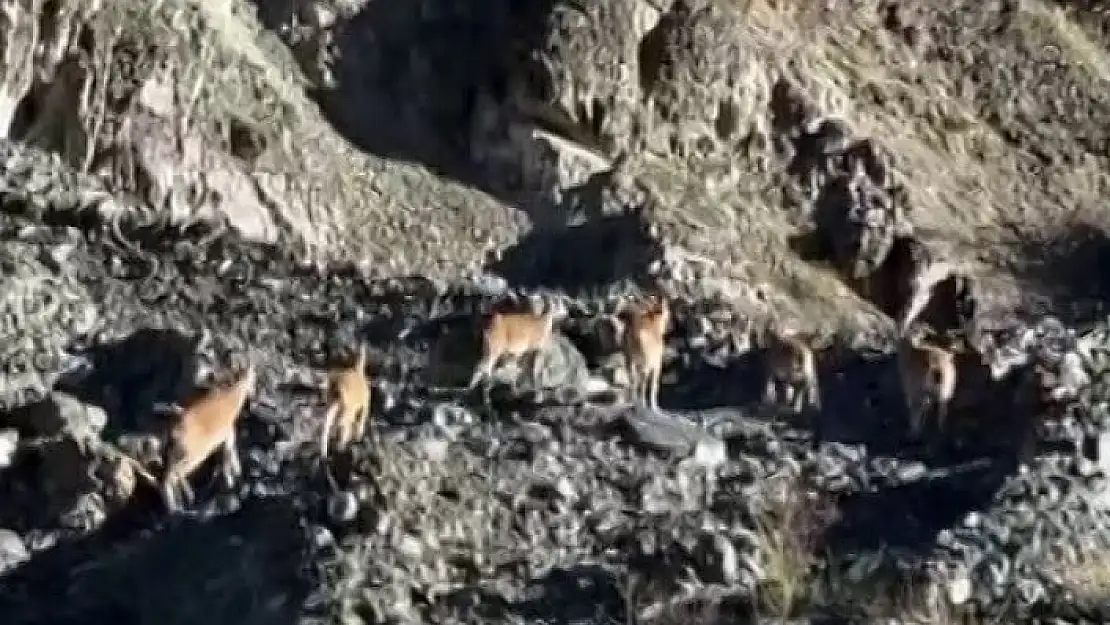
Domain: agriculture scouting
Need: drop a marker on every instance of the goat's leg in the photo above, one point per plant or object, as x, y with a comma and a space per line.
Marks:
329, 425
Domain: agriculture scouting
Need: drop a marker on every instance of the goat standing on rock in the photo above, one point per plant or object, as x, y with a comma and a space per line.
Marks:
195, 432
348, 396
929, 375
514, 335
643, 342
792, 367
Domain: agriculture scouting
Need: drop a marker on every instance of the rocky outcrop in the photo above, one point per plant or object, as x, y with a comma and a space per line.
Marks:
705, 503
173, 176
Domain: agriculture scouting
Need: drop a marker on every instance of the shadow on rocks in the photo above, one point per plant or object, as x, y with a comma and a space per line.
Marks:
581, 259
909, 516
435, 69
578, 594
238, 569
699, 384
863, 405
1067, 268
130, 376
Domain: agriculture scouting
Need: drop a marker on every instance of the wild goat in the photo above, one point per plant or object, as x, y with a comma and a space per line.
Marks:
929, 375
514, 335
348, 397
643, 342
193, 434
791, 366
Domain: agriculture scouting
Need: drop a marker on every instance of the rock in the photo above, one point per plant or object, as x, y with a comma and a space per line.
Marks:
322, 537
858, 220
958, 589
912, 472
660, 430
343, 507
9, 441
410, 546
450, 416
12, 551
709, 452
1031, 592
717, 560
436, 450
60, 414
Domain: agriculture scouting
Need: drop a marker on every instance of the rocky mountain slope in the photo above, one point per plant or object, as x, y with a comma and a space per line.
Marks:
186, 182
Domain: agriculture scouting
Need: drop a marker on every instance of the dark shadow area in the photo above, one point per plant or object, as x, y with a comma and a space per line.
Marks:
951, 304
72, 486
594, 337
44, 482
581, 260
811, 246
652, 54
426, 68
909, 516
573, 596
564, 596
986, 419
243, 568
701, 385
405, 328
790, 107
890, 287
453, 346
128, 377
862, 403
1070, 269
836, 239
860, 395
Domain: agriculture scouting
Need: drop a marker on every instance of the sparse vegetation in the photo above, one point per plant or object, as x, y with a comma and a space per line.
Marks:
790, 533
1087, 578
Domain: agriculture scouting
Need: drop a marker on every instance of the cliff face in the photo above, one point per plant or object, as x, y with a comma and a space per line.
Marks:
451, 130
286, 178
987, 117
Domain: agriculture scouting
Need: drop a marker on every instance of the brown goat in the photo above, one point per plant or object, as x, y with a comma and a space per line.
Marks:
929, 375
643, 342
792, 367
348, 397
514, 335
197, 430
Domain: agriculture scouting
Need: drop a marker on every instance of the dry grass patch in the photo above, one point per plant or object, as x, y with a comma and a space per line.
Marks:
1088, 578
789, 533
1050, 28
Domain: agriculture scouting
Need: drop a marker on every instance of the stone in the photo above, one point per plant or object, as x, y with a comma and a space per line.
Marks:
343, 507
709, 452
958, 589
60, 413
9, 442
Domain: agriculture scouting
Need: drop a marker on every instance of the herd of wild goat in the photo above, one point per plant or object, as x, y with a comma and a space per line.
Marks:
930, 365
